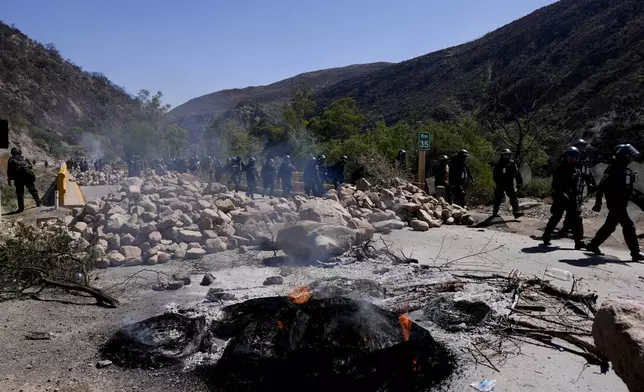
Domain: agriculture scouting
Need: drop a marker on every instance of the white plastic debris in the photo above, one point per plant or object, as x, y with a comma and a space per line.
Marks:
560, 274
484, 385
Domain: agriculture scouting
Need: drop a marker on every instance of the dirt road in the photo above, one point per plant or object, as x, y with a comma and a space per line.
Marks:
67, 362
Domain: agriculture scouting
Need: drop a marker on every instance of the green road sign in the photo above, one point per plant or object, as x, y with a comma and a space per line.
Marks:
424, 139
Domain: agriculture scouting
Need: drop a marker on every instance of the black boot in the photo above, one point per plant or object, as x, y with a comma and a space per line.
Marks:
580, 245
546, 240
639, 256
595, 249
518, 215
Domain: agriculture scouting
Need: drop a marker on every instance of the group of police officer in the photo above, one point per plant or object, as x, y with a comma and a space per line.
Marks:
617, 185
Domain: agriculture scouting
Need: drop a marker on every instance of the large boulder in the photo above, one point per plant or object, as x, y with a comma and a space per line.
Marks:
388, 225
225, 205
618, 331
308, 241
190, 236
115, 223
324, 211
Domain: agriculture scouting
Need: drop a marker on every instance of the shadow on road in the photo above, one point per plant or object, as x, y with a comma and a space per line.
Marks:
491, 221
593, 260
541, 248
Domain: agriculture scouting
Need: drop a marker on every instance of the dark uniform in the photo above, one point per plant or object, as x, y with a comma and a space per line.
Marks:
567, 197
311, 177
401, 160
588, 181
617, 185
251, 176
505, 174
441, 176
19, 170
269, 175
236, 168
285, 174
322, 175
218, 170
335, 172
459, 174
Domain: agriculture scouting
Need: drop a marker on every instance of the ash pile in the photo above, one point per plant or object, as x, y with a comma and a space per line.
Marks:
159, 218
295, 342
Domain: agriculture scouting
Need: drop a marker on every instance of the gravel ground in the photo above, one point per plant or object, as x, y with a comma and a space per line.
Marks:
67, 362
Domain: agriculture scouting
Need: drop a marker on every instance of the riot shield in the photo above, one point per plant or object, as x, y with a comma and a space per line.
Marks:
526, 173
598, 172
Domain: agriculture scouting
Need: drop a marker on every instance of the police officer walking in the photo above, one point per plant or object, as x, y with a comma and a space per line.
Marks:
311, 177
251, 176
459, 174
285, 174
19, 170
441, 176
322, 175
567, 197
617, 185
336, 171
236, 167
269, 175
588, 181
505, 174
401, 160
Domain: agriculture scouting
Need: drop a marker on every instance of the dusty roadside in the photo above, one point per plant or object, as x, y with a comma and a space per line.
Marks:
67, 362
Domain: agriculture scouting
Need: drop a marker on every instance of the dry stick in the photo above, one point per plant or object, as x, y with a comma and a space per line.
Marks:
543, 319
486, 358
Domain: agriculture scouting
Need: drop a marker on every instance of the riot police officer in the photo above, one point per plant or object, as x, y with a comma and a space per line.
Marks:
285, 174
441, 175
459, 174
505, 174
335, 172
567, 197
617, 186
401, 160
251, 176
19, 170
269, 175
588, 181
236, 167
311, 177
218, 170
322, 175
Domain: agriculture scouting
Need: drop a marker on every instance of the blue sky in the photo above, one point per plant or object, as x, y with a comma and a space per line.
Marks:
193, 47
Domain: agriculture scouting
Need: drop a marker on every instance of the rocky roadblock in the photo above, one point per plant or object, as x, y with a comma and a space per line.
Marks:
108, 176
159, 218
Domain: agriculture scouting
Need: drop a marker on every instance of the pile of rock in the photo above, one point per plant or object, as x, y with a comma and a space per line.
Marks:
105, 177
386, 209
159, 218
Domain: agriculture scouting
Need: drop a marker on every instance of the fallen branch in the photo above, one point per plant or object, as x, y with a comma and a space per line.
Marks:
102, 298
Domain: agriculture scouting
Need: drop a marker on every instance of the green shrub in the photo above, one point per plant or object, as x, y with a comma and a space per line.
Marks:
9, 200
537, 187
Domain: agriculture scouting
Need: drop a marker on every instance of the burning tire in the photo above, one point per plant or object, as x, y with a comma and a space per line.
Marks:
156, 342
336, 343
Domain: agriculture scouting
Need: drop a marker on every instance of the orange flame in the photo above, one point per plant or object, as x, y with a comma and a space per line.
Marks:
299, 296
405, 324
280, 325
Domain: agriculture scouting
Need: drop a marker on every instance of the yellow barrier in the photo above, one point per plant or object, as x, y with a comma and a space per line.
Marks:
62, 185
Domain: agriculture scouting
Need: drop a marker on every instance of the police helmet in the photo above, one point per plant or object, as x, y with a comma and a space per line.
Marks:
572, 152
344, 158
252, 160
580, 143
402, 152
287, 157
628, 151
505, 151
271, 160
321, 157
463, 153
15, 152
443, 158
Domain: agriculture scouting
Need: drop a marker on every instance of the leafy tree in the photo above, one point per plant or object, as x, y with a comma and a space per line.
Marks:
340, 120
